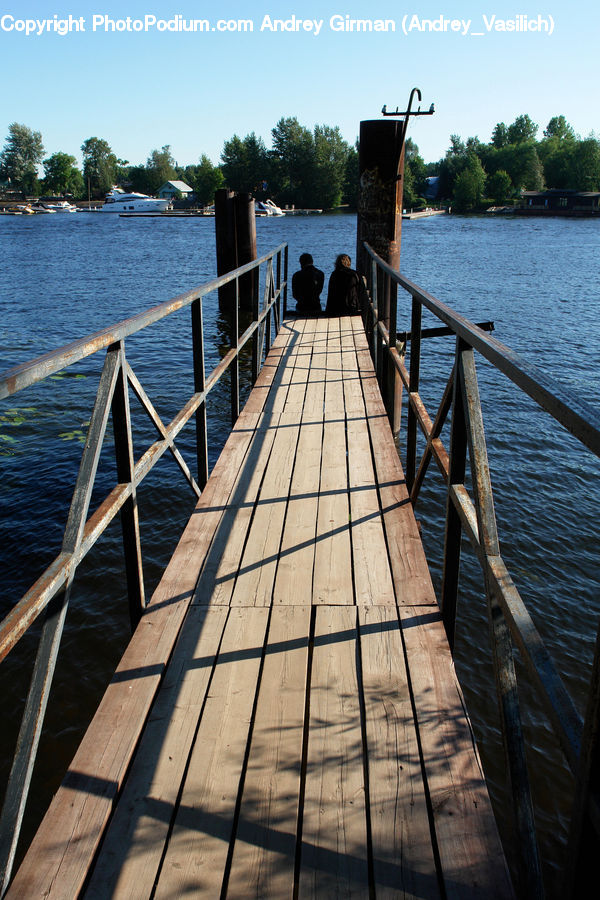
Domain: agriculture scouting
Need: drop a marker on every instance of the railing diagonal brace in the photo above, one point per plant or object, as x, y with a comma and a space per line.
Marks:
163, 430
436, 430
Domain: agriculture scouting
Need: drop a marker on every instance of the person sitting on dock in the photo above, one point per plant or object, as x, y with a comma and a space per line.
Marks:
345, 289
307, 285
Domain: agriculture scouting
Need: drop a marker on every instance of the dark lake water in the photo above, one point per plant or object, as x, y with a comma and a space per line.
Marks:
65, 276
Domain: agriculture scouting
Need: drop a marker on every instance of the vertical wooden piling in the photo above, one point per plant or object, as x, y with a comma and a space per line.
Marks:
226, 244
379, 222
235, 228
245, 233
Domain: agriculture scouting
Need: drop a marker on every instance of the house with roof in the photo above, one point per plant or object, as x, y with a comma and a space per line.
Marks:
560, 202
175, 189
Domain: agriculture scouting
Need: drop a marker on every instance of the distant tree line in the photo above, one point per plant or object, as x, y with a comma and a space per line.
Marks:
473, 173
318, 168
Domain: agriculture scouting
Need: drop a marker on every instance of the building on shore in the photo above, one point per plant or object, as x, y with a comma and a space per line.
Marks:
560, 202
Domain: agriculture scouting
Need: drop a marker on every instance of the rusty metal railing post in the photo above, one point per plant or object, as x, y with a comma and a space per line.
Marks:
130, 525
453, 530
235, 365
199, 385
371, 323
414, 376
285, 281
530, 873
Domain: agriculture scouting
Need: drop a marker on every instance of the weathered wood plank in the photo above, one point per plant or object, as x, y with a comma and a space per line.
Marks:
471, 855
372, 583
195, 859
334, 861
332, 581
403, 859
218, 577
258, 566
81, 807
265, 847
256, 575
412, 581
294, 579
131, 851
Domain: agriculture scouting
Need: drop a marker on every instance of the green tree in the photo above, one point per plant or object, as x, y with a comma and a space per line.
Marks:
415, 175
293, 158
330, 155
559, 128
499, 186
205, 178
584, 172
99, 166
21, 156
160, 167
556, 152
245, 163
351, 176
452, 165
140, 179
521, 130
61, 175
500, 135
470, 185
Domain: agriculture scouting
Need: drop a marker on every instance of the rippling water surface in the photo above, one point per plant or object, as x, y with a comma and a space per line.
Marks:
65, 276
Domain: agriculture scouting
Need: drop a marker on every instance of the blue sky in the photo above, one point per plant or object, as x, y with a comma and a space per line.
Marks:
142, 89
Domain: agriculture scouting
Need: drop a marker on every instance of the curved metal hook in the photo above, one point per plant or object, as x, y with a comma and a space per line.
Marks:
412, 94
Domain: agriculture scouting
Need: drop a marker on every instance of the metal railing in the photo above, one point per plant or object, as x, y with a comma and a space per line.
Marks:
510, 622
51, 592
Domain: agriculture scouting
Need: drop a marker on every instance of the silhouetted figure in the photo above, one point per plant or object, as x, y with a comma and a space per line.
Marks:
345, 289
307, 285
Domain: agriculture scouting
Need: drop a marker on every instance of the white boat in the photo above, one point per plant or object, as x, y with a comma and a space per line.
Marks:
117, 201
267, 208
61, 206
40, 209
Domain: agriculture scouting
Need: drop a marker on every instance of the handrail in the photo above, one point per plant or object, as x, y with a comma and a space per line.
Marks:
474, 517
51, 592
577, 416
19, 377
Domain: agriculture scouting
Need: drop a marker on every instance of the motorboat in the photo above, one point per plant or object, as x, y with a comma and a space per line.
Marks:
59, 206
118, 201
267, 208
40, 210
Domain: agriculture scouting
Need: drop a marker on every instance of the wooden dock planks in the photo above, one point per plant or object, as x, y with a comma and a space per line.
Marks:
309, 737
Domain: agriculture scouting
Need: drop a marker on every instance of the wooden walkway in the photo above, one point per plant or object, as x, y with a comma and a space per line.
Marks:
286, 721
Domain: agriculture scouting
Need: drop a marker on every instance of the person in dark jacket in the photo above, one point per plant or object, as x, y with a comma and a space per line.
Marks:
307, 285
344, 290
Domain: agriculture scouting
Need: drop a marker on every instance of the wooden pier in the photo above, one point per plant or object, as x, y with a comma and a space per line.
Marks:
286, 721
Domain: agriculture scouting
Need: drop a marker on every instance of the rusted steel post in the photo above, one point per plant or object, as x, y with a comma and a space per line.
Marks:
245, 242
226, 244
379, 223
129, 513
381, 174
199, 384
235, 365
235, 227
285, 279
415, 368
453, 532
